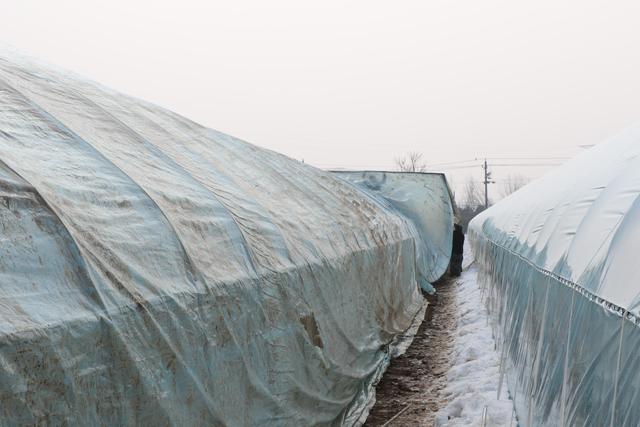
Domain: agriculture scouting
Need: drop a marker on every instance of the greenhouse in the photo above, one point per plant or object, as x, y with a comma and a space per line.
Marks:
157, 272
557, 267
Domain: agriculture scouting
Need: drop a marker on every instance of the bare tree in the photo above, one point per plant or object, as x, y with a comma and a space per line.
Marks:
513, 183
471, 202
411, 162
472, 194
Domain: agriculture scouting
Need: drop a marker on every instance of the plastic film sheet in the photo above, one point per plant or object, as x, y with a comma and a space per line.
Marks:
156, 272
556, 262
425, 200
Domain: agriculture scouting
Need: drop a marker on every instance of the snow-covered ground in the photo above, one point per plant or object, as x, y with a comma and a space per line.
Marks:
472, 380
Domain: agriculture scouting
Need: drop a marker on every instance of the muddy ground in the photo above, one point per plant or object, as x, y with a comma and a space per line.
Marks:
416, 379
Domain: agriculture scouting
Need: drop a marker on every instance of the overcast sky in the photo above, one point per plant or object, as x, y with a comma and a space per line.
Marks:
359, 83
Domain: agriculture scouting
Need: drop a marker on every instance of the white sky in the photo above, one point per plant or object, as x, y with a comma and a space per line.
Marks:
358, 83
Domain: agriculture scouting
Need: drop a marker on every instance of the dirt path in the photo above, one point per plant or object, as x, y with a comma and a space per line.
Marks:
416, 378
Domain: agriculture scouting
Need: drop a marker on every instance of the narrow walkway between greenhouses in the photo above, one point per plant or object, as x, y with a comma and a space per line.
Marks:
450, 374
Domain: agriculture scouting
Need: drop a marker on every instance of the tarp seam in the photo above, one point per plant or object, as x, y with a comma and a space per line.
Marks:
610, 306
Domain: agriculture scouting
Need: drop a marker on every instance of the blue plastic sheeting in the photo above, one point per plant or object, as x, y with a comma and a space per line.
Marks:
557, 261
424, 200
156, 272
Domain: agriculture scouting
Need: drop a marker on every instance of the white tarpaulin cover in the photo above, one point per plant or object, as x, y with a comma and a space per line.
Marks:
558, 260
156, 272
425, 199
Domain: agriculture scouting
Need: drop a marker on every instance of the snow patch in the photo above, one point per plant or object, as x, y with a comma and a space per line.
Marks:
472, 380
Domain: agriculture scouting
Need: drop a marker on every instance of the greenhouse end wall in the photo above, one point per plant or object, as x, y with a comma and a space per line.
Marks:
425, 201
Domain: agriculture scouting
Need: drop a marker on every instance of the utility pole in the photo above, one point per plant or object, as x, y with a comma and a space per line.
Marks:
487, 181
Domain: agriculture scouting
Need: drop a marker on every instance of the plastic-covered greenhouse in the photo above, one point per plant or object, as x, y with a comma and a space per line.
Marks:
156, 272
557, 263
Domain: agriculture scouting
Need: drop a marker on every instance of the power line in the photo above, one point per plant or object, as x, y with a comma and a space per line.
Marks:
528, 158
457, 162
525, 164
497, 164
452, 163
456, 167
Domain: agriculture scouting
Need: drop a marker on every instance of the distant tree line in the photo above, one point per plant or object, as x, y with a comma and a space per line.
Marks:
471, 201
411, 162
